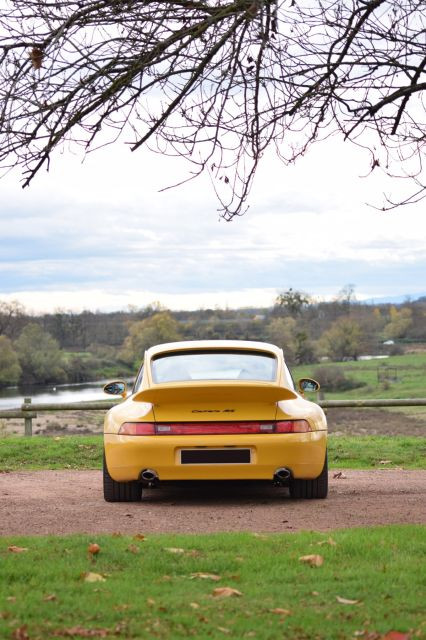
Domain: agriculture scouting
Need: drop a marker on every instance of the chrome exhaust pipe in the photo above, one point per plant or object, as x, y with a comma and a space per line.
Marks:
281, 476
149, 477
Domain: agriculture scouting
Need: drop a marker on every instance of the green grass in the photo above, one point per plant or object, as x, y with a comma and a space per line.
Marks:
149, 592
85, 452
39, 452
367, 452
410, 380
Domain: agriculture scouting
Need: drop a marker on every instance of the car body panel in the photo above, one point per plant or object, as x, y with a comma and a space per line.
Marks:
213, 401
303, 453
218, 390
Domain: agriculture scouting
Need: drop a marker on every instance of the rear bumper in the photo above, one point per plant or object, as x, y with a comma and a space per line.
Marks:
302, 453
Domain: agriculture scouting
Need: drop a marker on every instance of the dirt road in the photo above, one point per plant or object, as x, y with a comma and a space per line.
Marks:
62, 502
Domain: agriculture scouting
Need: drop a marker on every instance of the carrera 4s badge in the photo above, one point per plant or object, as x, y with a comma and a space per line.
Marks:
213, 410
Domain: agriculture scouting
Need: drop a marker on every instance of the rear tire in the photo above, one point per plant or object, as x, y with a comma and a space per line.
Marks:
120, 491
311, 489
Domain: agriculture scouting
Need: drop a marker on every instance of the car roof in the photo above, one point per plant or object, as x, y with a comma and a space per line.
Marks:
213, 345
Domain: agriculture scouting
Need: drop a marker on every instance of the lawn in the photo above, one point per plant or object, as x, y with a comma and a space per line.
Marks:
239, 585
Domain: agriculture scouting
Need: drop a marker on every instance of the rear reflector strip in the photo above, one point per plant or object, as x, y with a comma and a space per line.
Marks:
212, 428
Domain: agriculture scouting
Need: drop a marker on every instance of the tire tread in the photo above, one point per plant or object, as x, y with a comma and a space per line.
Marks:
119, 491
314, 489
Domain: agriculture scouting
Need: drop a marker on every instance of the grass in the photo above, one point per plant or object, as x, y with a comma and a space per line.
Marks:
85, 452
148, 591
409, 371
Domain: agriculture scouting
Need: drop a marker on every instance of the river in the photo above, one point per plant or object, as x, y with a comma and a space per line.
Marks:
13, 397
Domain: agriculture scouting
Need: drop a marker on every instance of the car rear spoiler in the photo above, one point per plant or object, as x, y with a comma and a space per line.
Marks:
214, 391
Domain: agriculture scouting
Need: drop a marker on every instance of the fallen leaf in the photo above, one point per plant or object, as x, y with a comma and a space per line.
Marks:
395, 635
89, 576
281, 612
11, 598
194, 605
346, 601
93, 548
20, 633
204, 576
120, 627
329, 541
314, 560
133, 548
226, 592
174, 549
121, 607
4, 615
224, 630
150, 601
339, 475
385, 461
139, 536
50, 597
82, 632
315, 593
15, 549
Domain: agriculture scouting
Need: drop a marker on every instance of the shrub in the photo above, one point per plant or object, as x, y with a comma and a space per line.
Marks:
334, 379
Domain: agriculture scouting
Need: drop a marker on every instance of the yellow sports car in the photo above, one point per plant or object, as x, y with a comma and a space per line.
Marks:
214, 410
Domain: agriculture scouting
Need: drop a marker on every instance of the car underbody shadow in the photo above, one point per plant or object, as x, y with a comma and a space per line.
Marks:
208, 491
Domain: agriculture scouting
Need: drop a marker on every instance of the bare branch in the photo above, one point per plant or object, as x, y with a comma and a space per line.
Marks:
214, 81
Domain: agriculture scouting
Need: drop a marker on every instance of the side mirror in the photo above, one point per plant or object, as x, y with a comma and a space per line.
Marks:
307, 384
116, 388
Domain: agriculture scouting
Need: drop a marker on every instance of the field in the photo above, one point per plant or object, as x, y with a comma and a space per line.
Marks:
361, 583
401, 376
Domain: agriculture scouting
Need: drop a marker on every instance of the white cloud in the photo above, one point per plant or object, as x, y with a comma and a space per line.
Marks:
100, 235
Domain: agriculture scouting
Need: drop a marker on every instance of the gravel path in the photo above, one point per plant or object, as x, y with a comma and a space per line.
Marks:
63, 502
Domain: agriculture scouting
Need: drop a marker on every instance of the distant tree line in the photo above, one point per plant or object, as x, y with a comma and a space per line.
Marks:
75, 347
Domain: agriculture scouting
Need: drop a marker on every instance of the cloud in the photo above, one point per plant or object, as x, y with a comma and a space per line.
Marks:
100, 232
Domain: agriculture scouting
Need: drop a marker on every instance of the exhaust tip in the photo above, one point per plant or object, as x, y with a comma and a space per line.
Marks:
149, 477
281, 476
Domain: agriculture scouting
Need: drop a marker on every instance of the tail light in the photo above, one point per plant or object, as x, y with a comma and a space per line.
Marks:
137, 429
212, 428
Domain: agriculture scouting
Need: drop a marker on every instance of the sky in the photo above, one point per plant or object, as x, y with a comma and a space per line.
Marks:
99, 235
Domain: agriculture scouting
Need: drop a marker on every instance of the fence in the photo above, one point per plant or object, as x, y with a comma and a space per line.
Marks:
28, 410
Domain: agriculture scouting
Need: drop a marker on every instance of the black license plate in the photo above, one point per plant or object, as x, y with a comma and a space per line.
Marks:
215, 456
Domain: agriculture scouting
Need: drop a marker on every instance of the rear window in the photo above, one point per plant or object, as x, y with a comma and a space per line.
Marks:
214, 365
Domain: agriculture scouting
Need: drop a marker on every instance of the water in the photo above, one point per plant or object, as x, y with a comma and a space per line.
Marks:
13, 397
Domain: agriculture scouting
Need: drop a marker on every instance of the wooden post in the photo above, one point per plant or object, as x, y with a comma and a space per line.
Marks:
28, 420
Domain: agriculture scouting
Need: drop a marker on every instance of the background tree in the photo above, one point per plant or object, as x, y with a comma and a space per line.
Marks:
10, 370
12, 317
216, 82
156, 329
291, 302
281, 331
400, 321
40, 358
343, 340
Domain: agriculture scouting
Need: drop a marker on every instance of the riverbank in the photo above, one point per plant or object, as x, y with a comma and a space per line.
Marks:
73, 422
